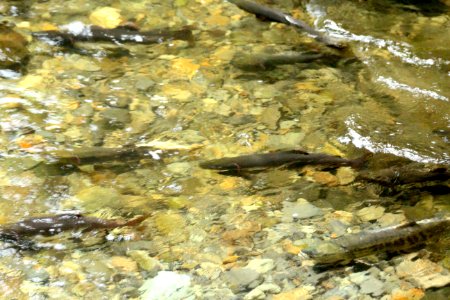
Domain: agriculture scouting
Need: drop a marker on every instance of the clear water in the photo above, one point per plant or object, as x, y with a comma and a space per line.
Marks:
390, 94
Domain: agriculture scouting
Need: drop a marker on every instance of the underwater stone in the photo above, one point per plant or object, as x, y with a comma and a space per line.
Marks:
166, 286
239, 279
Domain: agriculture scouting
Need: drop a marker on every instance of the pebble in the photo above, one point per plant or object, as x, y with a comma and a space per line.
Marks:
107, 17
141, 119
298, 293
81, 289
83, 64
411, 294
192, 136
425, 273
345, 175
270, 116
215, 293
260, 291
31, 81
265, 91
288, 140
209, 270
169, 223
289, 247
84, 110
177, 203
276, 235
301, 209
174, 92
117, 101
261, 265
124, 263
77, 62
179, 168
143, 84
115, 117
372, 286
345, 290
96, 266
167, 286
240, 279
370, 213
97, 197
325, 178
37, 275
146, 262
390, 219
68, 269
358, 277
255, 294
337, 227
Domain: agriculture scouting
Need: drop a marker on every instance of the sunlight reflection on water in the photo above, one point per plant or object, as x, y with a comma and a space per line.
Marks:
395, 85
361, 141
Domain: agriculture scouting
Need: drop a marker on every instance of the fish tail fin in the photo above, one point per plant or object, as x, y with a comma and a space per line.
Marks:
185, 34
359, 162
136, 221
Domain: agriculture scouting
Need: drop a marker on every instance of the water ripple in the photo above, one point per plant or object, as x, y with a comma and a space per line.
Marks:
401, 50
395, 85
366, 142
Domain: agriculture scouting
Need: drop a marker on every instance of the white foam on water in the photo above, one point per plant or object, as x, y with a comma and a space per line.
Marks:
395, 85
132, 37
77, 28
366, 142
401, 50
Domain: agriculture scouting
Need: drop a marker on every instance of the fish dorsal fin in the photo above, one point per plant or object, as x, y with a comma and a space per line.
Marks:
293, 151
129, 25
298, 151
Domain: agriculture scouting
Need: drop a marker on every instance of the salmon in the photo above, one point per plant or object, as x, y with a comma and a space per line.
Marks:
51, 225
411, 173
293, 158
256, 62
267, 13
398, 238
119, 35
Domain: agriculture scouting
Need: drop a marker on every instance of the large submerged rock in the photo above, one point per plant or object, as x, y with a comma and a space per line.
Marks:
13, 48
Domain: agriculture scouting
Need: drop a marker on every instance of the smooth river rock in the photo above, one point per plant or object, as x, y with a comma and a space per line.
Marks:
167, 286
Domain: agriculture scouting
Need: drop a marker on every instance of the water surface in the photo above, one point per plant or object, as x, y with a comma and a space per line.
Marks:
388, 95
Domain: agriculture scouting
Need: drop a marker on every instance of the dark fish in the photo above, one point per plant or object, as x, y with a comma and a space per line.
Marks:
50, 225
294, 158
119, 35
411, 173
255, 62
90, 155
68, 158
345, 249
95, 155
273, 15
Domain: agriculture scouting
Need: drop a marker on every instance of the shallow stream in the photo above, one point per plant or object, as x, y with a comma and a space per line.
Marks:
210, 235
